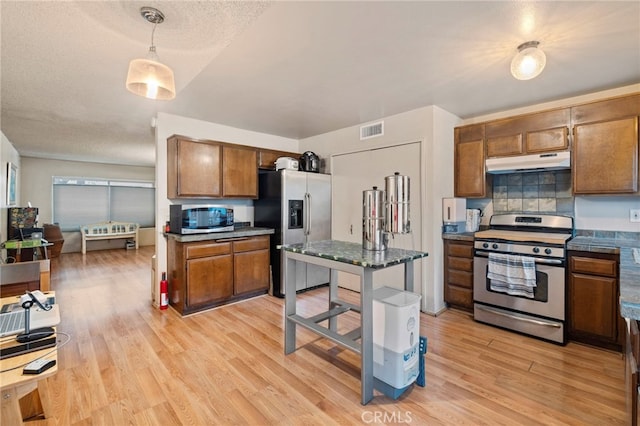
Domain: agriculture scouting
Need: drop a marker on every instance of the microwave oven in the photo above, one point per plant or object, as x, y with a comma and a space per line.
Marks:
199, 218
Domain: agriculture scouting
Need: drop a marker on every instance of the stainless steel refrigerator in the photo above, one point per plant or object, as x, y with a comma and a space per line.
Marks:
298, 206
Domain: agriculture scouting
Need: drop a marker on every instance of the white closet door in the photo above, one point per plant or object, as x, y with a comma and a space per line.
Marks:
355, 172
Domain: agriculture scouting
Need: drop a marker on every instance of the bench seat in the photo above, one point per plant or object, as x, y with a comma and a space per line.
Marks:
108, 231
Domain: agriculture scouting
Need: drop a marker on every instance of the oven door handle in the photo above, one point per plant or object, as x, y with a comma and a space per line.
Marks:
537, 259
515, 317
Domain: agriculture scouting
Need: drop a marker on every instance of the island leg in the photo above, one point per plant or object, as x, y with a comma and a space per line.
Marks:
408, 276
366, 324
333, 296
289, 303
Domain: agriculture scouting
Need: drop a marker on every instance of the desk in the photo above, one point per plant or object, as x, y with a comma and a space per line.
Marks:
14, 249
19, 393
16, 278
352, 258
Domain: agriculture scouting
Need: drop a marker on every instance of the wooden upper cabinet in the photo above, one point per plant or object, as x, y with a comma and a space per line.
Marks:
239, 171
528, 134
210, 169
193, 168
605, 146
267, 158
503, 146
469, 170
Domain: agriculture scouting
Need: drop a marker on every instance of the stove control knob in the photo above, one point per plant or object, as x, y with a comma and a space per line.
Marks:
547, 251
495, 246
485, 245
536, 249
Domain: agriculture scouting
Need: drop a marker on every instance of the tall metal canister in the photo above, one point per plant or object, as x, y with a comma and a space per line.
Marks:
397, 204
373, 235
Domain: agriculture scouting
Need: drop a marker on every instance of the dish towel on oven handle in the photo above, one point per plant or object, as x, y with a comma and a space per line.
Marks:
512, 274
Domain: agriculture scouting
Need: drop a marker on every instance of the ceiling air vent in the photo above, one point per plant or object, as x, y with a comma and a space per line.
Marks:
372, 130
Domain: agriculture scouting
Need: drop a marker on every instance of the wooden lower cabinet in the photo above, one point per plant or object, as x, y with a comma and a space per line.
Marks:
251, 265
210, 273
632, 368
458, 274
593, 313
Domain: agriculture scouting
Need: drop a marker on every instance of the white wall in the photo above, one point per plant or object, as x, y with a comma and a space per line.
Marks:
38, 178
168, 125
606, 213
434, 128
8, 154
591, 212
37, 175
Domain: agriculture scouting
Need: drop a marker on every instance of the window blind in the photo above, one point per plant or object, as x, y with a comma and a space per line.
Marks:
83, 201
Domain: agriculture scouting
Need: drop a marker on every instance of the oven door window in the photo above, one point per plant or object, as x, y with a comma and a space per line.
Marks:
540, 292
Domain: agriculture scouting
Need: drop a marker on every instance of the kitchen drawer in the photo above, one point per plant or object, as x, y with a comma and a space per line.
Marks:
461, 278
460, 250
460, 263
589, 265
206, 250
254, 243
459, 296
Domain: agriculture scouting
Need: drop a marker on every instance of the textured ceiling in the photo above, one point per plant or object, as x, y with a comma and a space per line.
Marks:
293, 69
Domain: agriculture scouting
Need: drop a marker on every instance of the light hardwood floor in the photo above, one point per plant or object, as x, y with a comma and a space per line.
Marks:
128, 363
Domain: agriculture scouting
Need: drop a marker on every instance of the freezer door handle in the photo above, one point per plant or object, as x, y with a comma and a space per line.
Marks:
307, 211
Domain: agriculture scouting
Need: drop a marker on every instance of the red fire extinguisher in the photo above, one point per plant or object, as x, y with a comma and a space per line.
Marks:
164, 292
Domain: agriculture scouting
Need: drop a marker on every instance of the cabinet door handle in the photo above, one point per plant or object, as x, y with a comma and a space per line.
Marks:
529, 320
226, 240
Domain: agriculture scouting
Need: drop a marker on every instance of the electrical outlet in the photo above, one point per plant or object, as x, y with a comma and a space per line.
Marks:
634, 215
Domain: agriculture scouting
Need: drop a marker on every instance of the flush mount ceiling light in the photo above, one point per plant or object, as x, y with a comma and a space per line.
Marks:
529, 62
148, 77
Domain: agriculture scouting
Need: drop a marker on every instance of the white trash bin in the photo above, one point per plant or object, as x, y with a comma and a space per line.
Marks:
396, 336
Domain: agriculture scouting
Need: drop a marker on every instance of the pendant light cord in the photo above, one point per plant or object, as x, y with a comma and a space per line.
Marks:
153, 32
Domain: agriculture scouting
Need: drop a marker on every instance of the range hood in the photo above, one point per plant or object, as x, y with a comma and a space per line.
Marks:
529, 163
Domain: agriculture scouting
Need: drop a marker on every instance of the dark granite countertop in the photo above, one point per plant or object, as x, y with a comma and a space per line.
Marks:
353, 253
629, 249
247, 231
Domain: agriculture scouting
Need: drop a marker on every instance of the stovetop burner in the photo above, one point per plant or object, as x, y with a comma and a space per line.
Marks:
536, 235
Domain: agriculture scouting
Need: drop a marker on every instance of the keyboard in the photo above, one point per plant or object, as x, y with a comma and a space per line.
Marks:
12, 323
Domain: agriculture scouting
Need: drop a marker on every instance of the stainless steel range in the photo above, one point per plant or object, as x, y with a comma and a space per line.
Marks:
541, 241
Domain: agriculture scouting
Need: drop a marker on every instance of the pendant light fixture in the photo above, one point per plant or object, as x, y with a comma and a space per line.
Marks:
148, 77
529, 62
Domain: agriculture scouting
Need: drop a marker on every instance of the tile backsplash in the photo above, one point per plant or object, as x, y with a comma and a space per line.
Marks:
533, 192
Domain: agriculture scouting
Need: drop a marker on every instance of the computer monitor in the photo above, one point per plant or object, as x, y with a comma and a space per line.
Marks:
22, 222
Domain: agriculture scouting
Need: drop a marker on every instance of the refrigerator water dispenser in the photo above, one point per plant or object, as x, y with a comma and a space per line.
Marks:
295, 214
